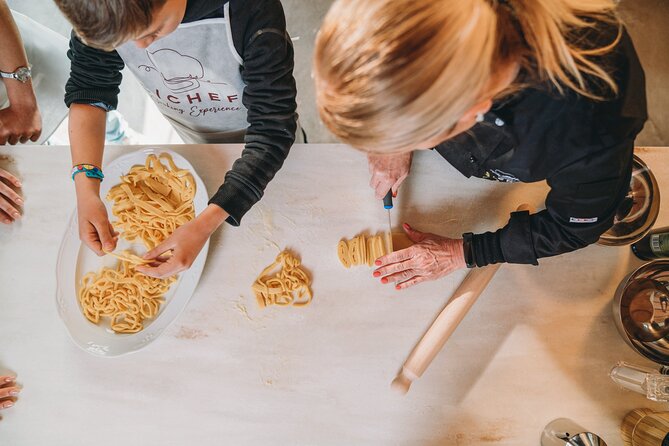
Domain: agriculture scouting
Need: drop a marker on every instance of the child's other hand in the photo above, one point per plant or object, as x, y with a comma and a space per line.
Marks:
8, 391
95, 230
185, 244
10, 200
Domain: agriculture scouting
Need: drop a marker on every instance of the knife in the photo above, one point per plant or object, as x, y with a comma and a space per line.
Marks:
388, 205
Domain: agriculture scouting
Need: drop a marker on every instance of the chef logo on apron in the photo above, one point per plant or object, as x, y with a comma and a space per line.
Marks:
182, 74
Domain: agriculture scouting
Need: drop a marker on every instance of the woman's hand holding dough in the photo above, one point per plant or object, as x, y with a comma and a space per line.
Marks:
431, 257
10, 200
8, 391
388, 172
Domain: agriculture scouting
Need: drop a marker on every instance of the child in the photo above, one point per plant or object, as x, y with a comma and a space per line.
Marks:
219, 71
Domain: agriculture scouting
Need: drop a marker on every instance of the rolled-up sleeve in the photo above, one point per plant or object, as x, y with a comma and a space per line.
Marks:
95, 75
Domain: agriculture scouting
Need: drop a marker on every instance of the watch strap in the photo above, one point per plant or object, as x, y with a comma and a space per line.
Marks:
21, 74
468, 249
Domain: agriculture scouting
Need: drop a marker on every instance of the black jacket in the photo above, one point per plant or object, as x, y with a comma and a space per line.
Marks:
582, 147
259, 36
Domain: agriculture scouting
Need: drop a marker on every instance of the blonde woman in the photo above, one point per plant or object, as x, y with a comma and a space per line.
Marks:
518, 90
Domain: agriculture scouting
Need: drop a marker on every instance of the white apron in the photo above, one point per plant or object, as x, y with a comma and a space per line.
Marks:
193, 76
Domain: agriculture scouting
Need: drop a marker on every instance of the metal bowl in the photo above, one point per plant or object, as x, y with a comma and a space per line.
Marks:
638, 211
641, 310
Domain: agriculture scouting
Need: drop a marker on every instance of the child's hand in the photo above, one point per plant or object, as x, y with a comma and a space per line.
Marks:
10, 200
95, 230
8, 391
185, 244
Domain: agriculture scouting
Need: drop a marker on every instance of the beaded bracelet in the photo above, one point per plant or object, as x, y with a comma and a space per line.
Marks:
90, 170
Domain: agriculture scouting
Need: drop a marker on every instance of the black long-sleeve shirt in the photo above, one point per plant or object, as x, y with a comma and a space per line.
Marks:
260, 37
582, 147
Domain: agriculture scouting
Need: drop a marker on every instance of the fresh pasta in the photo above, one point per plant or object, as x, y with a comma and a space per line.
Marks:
290, 285
153, 200
362, 249
150, 203
123, 295
129, 257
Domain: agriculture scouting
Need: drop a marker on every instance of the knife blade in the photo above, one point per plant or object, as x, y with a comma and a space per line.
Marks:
388, 205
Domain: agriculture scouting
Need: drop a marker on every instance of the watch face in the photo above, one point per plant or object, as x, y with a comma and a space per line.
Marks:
23, 74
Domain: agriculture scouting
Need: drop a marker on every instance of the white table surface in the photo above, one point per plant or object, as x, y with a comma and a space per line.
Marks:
538, 344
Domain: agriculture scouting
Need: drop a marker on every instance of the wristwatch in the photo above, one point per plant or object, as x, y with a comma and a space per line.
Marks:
22, 74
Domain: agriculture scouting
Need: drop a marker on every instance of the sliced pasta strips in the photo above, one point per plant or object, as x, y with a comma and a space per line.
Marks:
362, 249
153, 200
122, 295
149, 204
289, 285
129, 257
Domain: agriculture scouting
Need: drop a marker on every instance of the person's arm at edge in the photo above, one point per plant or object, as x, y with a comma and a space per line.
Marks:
21, 95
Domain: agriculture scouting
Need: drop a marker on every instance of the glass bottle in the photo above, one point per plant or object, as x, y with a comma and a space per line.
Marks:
654, 245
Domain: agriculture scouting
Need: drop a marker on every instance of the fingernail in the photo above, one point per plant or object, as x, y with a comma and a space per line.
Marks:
384, 280
406, 226
8, 404
397, 287
6, 221
394, 194
14, 392
10, 379
377, 262
19, 201
377, 274
19, 184
16, 215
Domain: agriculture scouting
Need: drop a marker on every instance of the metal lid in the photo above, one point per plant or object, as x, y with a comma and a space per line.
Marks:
638, 211
586, 439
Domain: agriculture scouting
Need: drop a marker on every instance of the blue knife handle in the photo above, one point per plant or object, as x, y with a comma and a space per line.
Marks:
388, 200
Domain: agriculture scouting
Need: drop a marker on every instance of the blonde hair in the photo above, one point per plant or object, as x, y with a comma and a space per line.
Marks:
392, 73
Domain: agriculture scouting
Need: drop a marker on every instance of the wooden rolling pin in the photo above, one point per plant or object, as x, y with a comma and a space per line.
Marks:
443, 327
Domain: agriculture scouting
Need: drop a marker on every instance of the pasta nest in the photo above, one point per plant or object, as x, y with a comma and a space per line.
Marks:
288, 285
